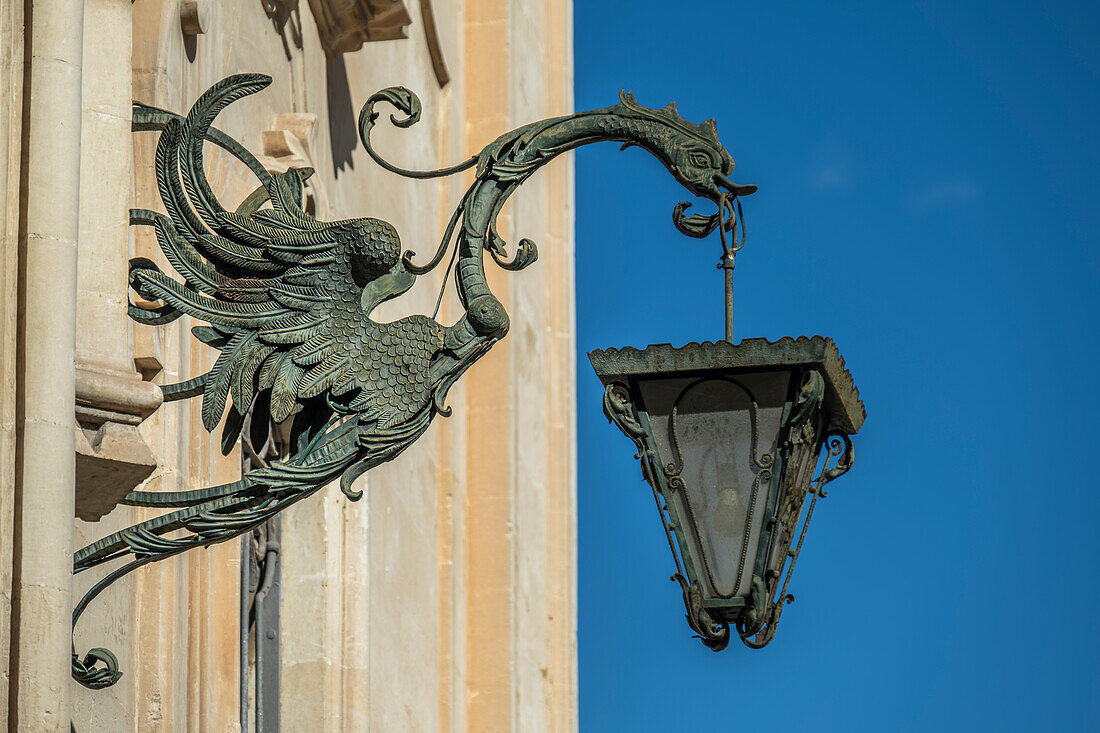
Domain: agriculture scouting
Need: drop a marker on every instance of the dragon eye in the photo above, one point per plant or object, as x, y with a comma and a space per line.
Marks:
699, 160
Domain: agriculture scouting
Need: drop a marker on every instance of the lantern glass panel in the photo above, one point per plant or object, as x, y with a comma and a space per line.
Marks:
726, 482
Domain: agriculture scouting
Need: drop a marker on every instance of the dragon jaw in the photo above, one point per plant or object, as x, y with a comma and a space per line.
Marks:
692, 153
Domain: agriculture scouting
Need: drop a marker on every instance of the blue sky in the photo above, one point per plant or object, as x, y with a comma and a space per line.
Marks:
928, 187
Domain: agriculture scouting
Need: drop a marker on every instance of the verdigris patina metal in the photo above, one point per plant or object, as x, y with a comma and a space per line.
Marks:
287, 301
754, 493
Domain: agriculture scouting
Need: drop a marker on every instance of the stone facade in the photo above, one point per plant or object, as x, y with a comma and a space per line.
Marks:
445, 599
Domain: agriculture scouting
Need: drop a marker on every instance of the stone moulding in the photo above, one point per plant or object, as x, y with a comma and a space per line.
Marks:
102, 397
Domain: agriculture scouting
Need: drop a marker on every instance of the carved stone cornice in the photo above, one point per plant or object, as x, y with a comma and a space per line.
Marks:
104, 396
345, 25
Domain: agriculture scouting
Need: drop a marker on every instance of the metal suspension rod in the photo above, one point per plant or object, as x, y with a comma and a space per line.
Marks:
729, 251
727, 265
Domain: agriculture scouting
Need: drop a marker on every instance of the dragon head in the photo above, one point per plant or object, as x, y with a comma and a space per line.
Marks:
692, 153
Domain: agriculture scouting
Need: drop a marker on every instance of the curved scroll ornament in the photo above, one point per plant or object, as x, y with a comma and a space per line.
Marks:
714, 633
98, 668
618, 409
287, 301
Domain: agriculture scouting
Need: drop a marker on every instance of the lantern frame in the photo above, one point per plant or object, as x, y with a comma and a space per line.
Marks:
821, 410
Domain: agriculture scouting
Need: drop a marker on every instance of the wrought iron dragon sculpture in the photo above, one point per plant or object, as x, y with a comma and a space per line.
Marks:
287, 301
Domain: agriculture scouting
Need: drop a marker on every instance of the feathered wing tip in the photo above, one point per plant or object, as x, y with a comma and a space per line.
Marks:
231, 262
208, 241
194, 131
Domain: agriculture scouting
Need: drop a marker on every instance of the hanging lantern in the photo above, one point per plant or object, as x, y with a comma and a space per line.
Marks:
733, 439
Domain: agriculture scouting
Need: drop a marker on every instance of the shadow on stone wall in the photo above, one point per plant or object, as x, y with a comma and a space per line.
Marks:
341, 116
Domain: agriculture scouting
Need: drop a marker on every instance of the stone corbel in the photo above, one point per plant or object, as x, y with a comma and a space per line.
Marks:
345, 25
111, 456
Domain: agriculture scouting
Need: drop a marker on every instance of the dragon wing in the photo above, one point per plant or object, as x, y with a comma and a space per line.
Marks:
286, 297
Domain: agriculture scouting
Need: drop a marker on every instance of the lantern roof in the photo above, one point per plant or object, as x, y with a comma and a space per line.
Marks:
842, 401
